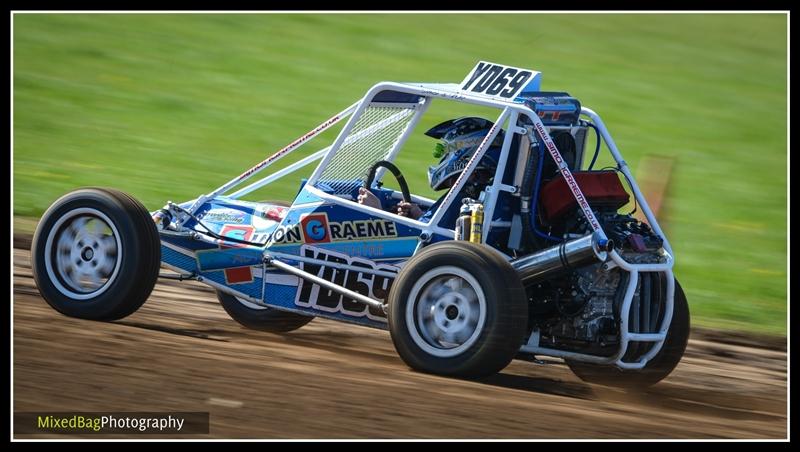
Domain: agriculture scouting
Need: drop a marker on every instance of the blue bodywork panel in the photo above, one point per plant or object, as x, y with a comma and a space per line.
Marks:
310, 228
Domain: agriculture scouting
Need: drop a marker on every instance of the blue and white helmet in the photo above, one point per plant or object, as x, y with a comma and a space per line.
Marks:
458, 141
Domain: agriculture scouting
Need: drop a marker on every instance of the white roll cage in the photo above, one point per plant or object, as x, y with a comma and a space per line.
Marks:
510, 112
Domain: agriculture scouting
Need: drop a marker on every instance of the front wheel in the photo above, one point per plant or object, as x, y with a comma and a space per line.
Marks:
96, 254
658, 368
457, 309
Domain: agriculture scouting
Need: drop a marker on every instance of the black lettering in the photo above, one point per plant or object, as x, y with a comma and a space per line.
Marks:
337, 277
501, 81
328, 298
353, 283
380, 286
375, 229
516, 83
380, 290
305, 292
305, 286
335, 231
293, 234
361, 229
364, 283
482, 67
349, 232
487, 79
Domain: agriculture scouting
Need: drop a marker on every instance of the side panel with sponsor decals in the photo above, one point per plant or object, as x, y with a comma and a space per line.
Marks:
330, 226
287, 292
338, 228
312, 229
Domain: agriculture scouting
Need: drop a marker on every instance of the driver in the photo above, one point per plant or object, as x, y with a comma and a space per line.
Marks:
458, 141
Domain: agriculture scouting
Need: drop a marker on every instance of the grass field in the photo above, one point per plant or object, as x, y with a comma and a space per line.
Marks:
169, 106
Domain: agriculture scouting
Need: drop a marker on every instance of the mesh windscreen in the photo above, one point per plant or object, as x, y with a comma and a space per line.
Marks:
371, 139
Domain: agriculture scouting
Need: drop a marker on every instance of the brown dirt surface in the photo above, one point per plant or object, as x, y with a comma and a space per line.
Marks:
181, 352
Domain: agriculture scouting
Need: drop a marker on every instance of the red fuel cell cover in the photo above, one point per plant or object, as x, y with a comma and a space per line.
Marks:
601, 189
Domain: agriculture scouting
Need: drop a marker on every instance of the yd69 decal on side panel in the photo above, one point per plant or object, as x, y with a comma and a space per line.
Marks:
310, 295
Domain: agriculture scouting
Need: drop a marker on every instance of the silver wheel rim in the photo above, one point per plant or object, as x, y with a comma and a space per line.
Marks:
446, 312
83, 253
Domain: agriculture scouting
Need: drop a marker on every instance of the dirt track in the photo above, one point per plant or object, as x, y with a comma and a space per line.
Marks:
180, 352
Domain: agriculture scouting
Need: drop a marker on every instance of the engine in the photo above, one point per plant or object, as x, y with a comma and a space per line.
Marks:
580, 308
575, 302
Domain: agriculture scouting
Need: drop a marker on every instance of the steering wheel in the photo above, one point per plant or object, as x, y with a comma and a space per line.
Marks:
397, 175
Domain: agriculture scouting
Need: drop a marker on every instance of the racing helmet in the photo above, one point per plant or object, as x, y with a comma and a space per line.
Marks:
458, 140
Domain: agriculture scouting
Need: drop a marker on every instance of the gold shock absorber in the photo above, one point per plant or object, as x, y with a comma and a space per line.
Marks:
476, 228
463, 221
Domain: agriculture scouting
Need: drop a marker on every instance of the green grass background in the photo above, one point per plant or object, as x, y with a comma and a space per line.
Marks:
170, 106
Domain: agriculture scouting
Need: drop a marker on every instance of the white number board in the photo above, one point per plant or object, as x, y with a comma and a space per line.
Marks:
499, 81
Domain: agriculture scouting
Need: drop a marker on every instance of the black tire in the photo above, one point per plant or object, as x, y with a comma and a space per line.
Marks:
658, 368
261, 318
132, 244
491, 345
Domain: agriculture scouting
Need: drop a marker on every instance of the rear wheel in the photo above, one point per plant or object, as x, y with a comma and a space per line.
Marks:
96, 254
258, 317
457, 309
658, 368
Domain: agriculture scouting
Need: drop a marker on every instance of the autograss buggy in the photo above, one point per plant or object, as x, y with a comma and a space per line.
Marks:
542, 263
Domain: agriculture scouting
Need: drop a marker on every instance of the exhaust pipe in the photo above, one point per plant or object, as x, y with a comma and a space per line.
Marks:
562, 258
